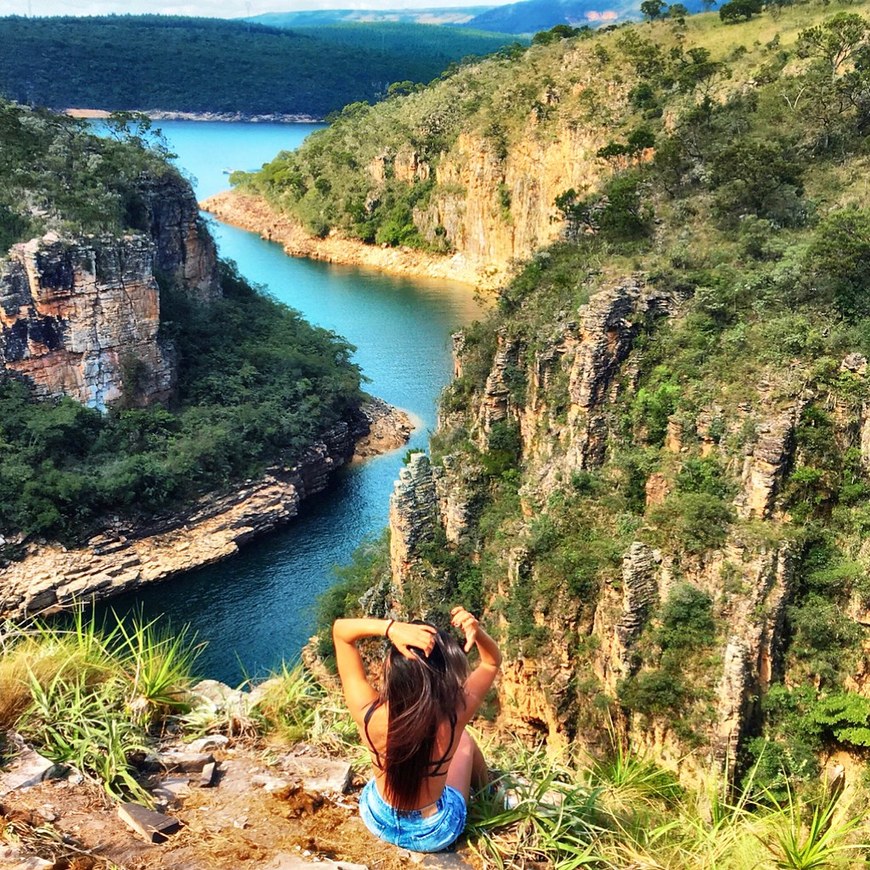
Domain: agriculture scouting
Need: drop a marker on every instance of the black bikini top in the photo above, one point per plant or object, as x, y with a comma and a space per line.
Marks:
444, 760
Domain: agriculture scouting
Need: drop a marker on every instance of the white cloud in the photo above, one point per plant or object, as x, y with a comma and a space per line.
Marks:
226, 8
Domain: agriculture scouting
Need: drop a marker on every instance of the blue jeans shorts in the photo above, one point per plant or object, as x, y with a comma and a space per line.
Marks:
411, 829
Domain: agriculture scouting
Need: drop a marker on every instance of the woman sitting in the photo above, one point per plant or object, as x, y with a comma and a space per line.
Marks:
424, 761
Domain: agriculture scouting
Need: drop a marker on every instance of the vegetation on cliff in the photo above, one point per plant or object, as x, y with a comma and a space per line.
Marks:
211, 65
658, 440
256, 384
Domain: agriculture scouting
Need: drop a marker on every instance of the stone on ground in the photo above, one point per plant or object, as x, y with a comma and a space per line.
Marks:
26, 769
318, 775
154, 827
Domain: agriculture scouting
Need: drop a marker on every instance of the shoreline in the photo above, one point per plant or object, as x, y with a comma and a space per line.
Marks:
52, 577
254, 214
225, 117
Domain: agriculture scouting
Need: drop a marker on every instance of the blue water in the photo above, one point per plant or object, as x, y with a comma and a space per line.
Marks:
257, 608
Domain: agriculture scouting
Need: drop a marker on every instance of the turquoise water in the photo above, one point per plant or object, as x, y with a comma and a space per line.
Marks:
256, 609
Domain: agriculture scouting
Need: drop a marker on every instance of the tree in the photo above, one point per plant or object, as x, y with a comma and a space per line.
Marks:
838, 260
835, 41
739, 9
677, 10
653, 9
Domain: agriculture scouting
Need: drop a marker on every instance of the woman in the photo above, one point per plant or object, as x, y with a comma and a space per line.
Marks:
424, 761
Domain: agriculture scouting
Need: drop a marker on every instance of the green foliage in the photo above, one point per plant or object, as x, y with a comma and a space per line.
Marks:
503, 448
78, 724
256, 385
560, 31
735, 10
368, 569
836, 41
845, 717
692, 521
838, 261
56, 176
686, 619
704, 475
94, 693
655, 693
761, 178
653, 406
213, 65
653, 9
824, 641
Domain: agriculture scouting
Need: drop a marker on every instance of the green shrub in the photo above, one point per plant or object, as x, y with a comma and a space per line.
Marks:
692, 521
838, 261
654, 693
686, 619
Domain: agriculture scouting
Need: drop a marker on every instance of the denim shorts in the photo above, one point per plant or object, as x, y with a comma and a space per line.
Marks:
410, 829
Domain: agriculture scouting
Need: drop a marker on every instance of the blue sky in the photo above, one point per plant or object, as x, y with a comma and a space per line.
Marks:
222, 9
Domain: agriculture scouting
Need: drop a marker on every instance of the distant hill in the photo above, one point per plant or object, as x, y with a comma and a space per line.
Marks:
212, 65
442, 45
531, 16
526, 17
325, 17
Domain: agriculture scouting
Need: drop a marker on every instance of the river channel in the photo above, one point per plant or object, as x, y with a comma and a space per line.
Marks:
256, 610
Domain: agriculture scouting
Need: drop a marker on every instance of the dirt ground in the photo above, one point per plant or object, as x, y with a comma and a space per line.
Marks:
231, 826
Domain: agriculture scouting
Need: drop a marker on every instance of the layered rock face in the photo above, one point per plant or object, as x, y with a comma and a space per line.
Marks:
565, 418
77, 315
80, 317
497, 209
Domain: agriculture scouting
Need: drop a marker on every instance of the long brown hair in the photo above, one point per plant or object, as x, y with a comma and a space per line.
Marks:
420, 694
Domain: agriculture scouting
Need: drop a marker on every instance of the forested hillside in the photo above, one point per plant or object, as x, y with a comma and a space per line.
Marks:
211, 65
653, 470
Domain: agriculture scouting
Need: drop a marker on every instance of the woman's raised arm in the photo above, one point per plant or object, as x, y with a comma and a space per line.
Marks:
358, 693
483, 676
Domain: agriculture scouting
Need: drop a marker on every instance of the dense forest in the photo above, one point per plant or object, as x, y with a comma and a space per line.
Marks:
211, 65
256, 383
729, 179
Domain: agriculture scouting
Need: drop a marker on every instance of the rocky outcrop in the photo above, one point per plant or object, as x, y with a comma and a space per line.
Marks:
640, 596
184, 250
413, 516
753, 650
80, 316
81, 319
606, 331
495, 405
767, 463
126, 557
388, 429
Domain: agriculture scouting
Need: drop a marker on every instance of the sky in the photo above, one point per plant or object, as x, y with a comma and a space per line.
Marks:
215, 8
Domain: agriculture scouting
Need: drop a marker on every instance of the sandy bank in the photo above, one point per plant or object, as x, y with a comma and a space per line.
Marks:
162, 115
255, 214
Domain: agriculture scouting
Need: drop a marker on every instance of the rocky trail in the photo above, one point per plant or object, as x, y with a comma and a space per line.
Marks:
262, 808
218, 803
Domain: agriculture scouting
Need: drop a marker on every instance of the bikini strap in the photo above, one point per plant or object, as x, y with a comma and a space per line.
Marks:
446, 758
366, 719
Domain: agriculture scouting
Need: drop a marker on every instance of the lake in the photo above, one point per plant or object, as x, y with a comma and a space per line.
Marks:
257, 609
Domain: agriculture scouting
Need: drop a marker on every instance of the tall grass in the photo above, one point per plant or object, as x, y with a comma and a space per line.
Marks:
625, 812
89, 694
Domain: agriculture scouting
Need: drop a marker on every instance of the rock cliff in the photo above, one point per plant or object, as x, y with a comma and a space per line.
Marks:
594, 645
80, 316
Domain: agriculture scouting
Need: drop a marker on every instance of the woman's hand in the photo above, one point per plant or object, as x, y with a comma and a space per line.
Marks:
460, 618
404, 635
